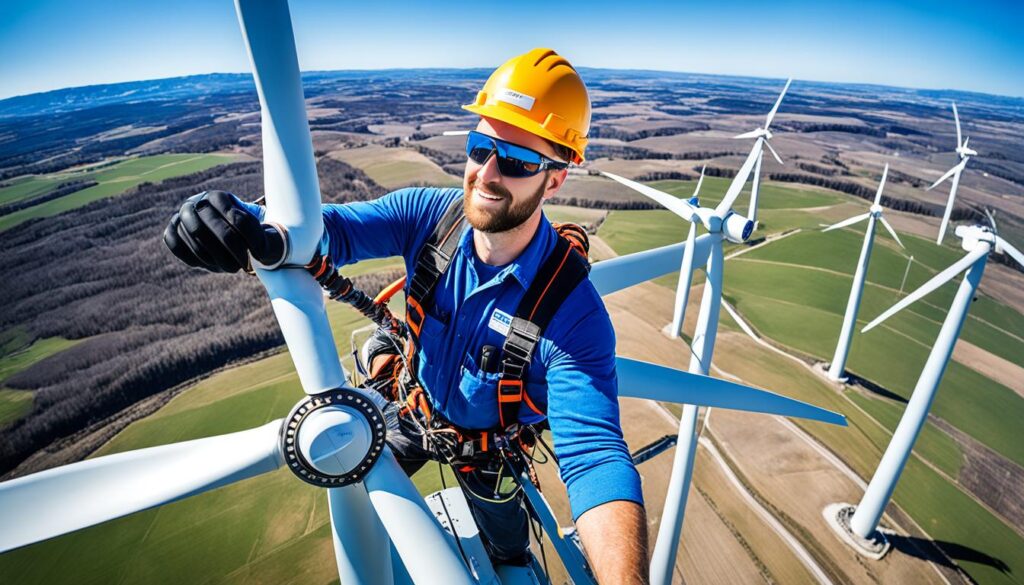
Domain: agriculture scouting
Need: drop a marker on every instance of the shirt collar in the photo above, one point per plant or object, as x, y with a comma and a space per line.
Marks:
524, 267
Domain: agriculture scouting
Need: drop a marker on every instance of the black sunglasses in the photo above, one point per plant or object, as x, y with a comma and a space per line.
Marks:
514, 161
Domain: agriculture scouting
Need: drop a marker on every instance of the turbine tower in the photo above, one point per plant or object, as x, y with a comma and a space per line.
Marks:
978, 241
835, 371
965, 154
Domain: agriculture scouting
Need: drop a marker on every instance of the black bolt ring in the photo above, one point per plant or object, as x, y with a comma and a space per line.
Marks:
337, 397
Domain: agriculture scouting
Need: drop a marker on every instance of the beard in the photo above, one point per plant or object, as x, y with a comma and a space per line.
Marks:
508, 217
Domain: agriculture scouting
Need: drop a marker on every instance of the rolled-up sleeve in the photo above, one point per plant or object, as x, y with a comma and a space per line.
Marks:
583, 408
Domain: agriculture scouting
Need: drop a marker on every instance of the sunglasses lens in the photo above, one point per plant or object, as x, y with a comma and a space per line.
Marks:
479, 147
515, 168
514, 162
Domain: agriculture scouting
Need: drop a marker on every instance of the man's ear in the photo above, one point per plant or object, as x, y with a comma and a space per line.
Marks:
554, 180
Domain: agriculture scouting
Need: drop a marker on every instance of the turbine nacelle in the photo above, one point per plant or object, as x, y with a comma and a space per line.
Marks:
965, 152
736, 228
971, 235
875, 210
758, 133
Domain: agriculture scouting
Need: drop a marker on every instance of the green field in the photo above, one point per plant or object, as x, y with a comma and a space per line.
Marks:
772, 195
27, 187
17, 361
113, 180
17, 356
13, 405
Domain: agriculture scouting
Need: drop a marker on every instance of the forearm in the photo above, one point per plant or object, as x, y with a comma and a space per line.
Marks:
614, 536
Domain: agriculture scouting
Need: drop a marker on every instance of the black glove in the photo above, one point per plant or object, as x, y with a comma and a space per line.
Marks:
213, 231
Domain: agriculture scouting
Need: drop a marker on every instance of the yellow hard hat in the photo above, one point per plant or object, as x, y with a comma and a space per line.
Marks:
541, 93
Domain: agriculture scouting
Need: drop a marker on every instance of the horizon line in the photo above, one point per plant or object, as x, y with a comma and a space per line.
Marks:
485, 68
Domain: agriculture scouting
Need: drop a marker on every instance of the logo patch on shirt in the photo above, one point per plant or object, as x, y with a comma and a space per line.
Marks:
515, 98
500, 321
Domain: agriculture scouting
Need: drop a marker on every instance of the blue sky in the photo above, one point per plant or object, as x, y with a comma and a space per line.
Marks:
977, 45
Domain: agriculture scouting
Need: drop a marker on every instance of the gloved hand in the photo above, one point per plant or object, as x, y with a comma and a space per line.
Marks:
213, 231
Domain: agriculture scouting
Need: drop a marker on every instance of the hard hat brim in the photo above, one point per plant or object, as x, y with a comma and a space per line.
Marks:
520, 121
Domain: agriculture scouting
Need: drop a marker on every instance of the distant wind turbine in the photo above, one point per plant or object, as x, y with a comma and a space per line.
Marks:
722, 224
835, 371
763, 137
978, 241
965, 155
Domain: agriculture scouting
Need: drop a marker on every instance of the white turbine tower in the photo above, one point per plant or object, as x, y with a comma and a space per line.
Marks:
965, 154
762, 136
686, 267
835, 371
722, 224
978, 241
334, 438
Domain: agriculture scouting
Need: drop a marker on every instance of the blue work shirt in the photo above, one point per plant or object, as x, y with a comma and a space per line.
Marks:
572, 372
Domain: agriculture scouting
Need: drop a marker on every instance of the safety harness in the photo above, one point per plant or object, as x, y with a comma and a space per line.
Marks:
561, 272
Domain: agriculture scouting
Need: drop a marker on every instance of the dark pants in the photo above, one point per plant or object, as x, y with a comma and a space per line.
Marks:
493, 497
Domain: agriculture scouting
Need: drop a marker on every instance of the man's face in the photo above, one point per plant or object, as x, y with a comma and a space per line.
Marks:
493, 203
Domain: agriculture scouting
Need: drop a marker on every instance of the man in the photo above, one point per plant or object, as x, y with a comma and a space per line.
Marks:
534, 118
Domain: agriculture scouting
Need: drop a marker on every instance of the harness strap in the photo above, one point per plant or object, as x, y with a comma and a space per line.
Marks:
561, 272
434, 258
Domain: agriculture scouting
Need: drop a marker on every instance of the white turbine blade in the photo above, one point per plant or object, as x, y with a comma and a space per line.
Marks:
847, 222
755, 190
881, 184
1009, 249
673, 204
739, 180
775, 154
949, 202
936, 281
700, 181
621, 272
948, 174
455, 133
956, 116
892, 232
685, 278
991, 220
64, 499
639, 379
775, 108
292, 192
425, 549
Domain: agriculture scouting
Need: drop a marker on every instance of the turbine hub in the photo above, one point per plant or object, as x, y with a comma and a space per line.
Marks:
333, 439
876, 210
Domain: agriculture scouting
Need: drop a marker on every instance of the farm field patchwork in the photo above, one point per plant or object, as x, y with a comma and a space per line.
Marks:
984, 546
395, 168
794, 291
113, 180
